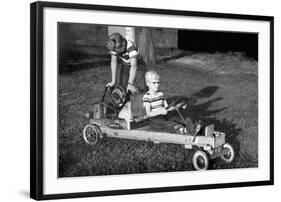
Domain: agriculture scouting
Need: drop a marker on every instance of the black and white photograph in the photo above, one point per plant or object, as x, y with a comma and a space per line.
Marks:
140, 101
144, 100
128, 100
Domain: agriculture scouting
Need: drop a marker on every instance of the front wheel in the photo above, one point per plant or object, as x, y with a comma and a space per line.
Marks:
200, 160
228, 153
91, 134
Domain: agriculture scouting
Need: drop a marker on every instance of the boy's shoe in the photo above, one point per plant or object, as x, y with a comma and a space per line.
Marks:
183, 130
198, 127
180, 130
177, 129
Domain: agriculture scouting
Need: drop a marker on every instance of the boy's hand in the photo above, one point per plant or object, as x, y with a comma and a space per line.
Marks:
112, 83
164, 111
131, 88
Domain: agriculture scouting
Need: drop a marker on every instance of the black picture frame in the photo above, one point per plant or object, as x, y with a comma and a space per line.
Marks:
37, 98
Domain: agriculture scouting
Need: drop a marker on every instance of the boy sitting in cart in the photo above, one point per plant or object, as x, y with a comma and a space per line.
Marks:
156, 108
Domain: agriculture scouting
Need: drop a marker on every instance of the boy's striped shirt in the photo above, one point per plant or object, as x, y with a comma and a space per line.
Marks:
131, 52
154, 101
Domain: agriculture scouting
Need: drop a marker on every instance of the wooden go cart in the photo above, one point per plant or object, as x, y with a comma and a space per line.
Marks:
119, 121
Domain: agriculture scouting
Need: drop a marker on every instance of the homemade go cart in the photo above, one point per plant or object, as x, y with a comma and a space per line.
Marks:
124, 117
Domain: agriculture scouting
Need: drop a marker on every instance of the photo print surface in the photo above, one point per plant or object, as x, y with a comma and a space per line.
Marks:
203, 113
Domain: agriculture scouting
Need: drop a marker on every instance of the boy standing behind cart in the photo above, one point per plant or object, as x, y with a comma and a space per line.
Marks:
130, 74
155, 107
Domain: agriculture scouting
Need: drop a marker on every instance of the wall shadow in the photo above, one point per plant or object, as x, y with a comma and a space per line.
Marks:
24, 193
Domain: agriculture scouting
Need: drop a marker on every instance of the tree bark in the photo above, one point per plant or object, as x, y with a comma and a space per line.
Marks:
146, 46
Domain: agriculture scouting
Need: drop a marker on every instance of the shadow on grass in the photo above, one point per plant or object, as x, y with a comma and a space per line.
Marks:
116, 156
201, 112
205, 92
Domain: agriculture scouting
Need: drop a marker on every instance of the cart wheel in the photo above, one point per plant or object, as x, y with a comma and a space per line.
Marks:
200, 160
228, 153
91, 134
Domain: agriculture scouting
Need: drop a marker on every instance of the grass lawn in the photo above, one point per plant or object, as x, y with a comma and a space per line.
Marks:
224, 91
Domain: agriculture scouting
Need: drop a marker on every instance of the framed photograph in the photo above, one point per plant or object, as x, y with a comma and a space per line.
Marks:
134, 100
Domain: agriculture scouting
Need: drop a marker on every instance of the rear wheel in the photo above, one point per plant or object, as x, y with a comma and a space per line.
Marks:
200, 160
228, 153
91, 134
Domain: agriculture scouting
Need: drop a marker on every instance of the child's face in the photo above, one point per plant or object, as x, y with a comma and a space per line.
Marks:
153, 84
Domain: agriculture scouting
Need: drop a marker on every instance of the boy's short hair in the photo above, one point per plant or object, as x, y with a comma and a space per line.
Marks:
117, 43
151, 74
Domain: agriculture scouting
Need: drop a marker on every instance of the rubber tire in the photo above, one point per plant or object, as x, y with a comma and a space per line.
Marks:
232, 153
91, 134
200, 154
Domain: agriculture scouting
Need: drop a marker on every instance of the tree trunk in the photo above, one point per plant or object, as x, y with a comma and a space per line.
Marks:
146, 47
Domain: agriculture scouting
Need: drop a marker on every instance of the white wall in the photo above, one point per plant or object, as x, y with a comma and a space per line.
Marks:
14, 107
113, 29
